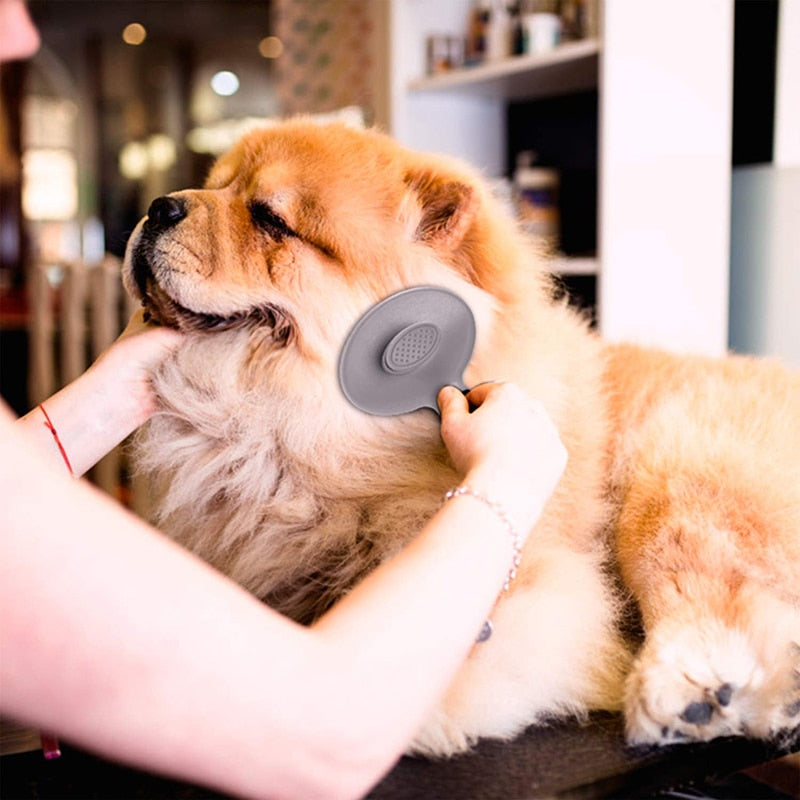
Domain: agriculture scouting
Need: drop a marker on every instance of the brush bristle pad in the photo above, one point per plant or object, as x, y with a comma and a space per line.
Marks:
410, 348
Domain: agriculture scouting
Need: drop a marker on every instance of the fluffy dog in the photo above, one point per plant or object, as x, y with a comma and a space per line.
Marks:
683, 474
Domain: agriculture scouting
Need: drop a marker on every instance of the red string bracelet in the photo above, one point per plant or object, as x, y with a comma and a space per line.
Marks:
49, 425
50, 746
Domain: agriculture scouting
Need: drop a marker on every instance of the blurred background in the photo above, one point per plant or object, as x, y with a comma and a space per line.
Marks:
654, 146
126, 101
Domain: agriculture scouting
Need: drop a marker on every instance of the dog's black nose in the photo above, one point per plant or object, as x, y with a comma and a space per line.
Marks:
164, 212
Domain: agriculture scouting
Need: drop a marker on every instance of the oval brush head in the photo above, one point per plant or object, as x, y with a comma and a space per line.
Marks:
405, 349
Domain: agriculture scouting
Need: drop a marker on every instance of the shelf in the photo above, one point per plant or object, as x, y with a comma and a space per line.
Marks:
569, 265
567, 68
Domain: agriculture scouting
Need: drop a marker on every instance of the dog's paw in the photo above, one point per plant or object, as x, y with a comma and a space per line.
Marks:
705, 681
441, 737
787, 715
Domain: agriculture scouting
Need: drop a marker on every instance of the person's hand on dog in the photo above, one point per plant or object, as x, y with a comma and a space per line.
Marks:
506, 448
106, 403
133, 356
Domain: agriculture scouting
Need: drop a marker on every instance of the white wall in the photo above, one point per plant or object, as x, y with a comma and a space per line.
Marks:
460, 125
786, 151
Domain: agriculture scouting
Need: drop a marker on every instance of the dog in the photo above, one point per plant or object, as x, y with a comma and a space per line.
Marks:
681, 497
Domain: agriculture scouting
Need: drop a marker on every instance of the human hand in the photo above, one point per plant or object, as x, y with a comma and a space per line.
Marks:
128, 363
507, 448
110, 400
149, 342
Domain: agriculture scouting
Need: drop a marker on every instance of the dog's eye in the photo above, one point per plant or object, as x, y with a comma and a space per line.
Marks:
265, 218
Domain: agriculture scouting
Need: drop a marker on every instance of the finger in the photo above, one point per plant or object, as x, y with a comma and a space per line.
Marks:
135, 324
168, 338
478, 394
147, 344
155, 333
452, 401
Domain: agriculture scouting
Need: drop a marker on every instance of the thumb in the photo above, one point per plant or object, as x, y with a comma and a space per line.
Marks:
452, 401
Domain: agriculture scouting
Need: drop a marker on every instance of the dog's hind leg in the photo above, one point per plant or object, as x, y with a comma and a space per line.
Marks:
705, 471
717, 580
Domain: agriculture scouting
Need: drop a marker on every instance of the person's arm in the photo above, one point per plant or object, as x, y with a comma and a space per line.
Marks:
118, 640
105, 404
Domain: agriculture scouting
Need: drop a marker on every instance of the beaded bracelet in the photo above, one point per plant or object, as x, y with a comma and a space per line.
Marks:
516, 539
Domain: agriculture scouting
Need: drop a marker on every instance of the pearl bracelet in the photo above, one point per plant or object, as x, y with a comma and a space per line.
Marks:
500, 512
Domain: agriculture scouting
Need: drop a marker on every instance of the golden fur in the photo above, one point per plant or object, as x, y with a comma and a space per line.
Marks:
683, 471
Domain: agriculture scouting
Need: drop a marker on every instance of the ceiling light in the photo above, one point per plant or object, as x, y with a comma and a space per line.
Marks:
135, 33
270, 47
225, 83
161, 151
49, 184
133, 160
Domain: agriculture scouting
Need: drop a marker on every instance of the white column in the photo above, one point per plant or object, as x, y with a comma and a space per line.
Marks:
666, 86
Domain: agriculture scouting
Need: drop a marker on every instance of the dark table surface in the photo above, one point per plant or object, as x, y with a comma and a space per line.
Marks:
563, 760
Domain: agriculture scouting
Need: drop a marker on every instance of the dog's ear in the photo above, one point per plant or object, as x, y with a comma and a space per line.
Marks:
447, 208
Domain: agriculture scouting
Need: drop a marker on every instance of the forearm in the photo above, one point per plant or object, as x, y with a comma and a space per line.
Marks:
120, 641
400, 636
124, 643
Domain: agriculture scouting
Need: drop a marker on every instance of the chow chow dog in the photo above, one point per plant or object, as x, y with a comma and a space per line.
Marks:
681, 497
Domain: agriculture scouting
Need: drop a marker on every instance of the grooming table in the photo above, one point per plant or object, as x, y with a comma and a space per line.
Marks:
564, 760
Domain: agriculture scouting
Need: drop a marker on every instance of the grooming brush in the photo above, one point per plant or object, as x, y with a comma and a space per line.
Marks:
404, 349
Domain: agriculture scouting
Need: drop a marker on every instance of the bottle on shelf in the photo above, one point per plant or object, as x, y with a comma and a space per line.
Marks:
499, 32
541, 25
490, 32
536, 198
477, 28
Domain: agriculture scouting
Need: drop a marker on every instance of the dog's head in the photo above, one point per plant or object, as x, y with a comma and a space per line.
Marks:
302, 227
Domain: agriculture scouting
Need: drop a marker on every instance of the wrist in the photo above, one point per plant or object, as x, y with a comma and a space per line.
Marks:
515, 539
90, 416
510, 492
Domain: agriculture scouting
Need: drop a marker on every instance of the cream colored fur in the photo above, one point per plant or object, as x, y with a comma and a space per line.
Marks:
263, 469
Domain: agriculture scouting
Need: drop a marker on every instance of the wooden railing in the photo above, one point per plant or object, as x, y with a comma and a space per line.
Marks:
76, 312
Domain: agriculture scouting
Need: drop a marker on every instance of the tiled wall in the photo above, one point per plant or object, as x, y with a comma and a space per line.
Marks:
327, 61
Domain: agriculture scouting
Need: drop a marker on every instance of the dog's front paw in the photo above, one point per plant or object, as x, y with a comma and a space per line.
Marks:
704, 680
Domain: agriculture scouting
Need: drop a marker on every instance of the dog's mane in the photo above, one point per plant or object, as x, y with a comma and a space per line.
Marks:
292, 502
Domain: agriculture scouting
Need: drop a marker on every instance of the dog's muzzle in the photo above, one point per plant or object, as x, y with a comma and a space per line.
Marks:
164, 213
